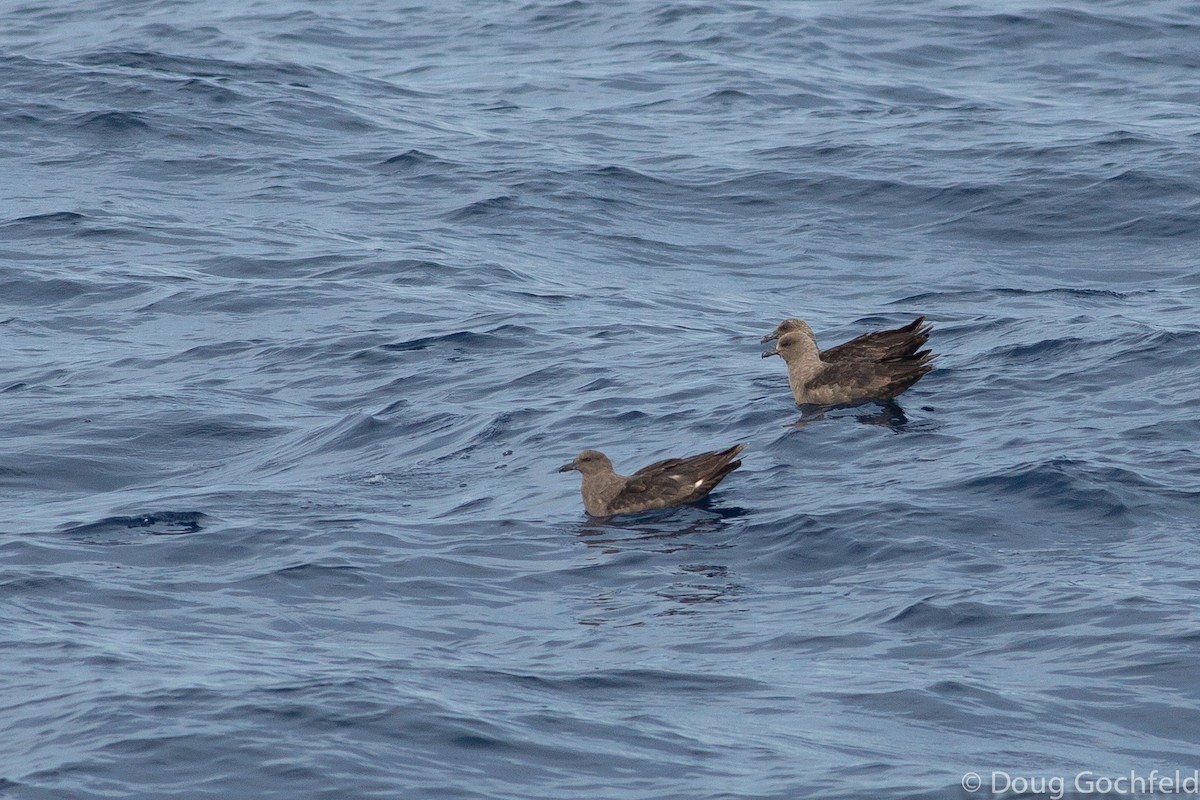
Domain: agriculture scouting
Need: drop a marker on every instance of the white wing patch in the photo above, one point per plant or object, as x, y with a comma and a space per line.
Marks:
695, 485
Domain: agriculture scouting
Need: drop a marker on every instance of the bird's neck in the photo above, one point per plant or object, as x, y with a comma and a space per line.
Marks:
803, 368
599, 490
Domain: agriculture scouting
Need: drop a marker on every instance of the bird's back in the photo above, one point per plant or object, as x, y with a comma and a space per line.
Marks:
675, 481
889, 345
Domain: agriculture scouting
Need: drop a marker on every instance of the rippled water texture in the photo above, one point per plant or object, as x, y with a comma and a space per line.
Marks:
301, 305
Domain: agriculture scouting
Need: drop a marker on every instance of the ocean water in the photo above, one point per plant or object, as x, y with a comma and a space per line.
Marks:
301, 304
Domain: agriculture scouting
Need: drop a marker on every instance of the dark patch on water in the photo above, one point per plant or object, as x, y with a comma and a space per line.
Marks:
159, 523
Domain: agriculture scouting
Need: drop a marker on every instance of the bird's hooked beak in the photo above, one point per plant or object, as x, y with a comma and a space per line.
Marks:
774, 351
769, 337
566, 467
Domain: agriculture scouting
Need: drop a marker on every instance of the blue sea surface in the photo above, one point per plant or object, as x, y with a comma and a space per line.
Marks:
301, 305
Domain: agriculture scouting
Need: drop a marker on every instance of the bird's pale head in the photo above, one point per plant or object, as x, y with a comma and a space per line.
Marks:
589, 462
790, 326
795, 346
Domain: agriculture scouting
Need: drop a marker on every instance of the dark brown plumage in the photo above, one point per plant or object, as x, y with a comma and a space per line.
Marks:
671, 482
817, 381
887, 345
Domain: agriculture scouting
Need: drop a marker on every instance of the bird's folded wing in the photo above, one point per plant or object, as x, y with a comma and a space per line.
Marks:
658, 468
895, 343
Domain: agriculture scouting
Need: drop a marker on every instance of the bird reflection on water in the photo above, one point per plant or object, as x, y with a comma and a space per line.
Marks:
697, 532
659, 531
887, 414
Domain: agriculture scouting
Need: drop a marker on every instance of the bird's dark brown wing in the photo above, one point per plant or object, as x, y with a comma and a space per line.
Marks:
676, 480
872, 380
889, 345
699, 463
